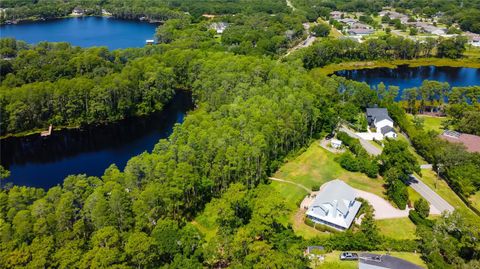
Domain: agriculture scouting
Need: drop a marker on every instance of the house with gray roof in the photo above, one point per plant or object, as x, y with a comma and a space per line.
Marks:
334, 205
379, 119
376, 261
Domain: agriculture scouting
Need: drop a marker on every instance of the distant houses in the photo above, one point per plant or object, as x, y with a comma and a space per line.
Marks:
379, 120
334, 206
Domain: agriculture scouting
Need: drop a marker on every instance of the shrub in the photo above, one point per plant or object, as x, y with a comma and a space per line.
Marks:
316, 187
418, 220
349, 162
319, 227
422, 208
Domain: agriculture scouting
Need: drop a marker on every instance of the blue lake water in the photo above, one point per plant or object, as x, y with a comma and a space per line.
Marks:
45, 161
408, 77
83, 32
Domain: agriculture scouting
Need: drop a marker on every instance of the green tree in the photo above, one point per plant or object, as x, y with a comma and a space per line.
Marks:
422, 207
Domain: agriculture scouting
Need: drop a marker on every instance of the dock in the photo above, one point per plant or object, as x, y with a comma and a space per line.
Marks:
47, 133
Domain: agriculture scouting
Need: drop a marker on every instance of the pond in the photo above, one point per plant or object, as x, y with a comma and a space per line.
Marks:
83, 32
45, 161
408, 77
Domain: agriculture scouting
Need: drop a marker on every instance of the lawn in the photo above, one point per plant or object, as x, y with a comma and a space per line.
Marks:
430, 122
475, 200
442, 189
401, 228
315, 166
332, 260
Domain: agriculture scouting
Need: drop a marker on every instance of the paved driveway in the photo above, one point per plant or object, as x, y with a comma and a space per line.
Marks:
371, 149
437, 203
383, 209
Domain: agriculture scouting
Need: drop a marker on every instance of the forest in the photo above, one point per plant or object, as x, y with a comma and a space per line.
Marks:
253, 112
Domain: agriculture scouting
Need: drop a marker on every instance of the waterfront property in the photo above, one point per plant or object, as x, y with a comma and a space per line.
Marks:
334, 205
376, 261
379, 121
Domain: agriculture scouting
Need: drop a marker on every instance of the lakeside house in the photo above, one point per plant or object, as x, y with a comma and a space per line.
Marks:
378, 119
377, 261
78, 11
334, 206
471, 142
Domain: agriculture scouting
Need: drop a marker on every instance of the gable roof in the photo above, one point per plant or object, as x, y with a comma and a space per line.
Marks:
335, 203
386, 129
378, 114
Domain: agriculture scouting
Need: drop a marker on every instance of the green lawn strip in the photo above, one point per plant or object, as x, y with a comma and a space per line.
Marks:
475, 200
442, 189
400, 228
317, 166
471, 61
430, 122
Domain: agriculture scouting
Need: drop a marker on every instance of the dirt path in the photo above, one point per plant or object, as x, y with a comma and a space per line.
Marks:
290, 182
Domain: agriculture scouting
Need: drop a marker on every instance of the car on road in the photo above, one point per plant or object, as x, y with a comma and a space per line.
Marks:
348, 256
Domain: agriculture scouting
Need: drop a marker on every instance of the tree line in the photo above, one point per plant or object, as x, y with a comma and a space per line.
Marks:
329, 51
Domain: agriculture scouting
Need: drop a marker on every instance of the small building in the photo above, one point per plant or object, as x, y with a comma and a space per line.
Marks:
336, 15
334, 206
219, 27
335, 143
348, 21
376, 261
150, 41
359, 25
379, 119
360, 32
471, 142
475, 41
78, 11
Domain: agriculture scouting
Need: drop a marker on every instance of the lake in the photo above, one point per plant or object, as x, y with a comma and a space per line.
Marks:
84, 32
408, 77
45, 161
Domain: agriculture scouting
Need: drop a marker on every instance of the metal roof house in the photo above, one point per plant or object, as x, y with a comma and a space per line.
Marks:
375, 261
335, 206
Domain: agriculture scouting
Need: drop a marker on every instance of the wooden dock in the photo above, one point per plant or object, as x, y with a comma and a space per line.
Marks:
47, 133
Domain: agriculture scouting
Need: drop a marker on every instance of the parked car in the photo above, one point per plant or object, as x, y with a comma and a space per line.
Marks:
348, 256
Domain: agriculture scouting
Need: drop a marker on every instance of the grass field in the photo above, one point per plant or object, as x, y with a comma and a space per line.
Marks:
471, 61
430, 122
316, 166
442, 189
475, 200
401, 228
332, 260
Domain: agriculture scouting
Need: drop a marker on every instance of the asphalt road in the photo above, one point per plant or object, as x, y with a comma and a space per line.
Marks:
432, 197
371, 149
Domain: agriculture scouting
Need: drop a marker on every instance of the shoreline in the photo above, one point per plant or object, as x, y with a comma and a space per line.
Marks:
34, 19
332, 68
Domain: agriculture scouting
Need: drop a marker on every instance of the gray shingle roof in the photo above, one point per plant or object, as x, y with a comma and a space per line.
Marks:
386, 129
378, 114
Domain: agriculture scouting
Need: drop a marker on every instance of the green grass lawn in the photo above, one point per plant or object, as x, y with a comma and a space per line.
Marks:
401, 228
332, 260
475, 200
316, 166
430, 122
442, 189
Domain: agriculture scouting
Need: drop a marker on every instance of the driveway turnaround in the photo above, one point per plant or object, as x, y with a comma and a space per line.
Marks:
437, 203
383, 209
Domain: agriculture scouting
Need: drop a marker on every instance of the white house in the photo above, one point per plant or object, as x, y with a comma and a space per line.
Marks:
379, 119
219, 27
78, 11
334, 206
